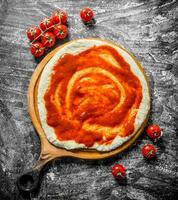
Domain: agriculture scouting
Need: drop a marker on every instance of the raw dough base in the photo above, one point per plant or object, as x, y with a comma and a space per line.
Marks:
75, 47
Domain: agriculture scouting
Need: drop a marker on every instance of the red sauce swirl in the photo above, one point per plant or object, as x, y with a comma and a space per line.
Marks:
92, 96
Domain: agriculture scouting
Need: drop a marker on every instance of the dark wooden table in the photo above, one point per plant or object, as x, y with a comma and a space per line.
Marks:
146, 28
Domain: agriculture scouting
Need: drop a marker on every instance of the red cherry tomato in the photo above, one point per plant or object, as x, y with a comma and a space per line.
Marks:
33, 33
118, 171
86, 14
154, 132
60, 31
148, 151
46, 23
59, 17
37, 49
48, 39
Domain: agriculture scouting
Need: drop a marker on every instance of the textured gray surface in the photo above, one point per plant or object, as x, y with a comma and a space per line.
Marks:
146, 28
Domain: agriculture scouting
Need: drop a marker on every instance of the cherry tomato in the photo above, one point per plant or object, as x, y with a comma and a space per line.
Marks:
60, 31
59, 17
154, 132
148, 151
37, 49
48, 39
33, 33
46, 23
86, 14
118, 171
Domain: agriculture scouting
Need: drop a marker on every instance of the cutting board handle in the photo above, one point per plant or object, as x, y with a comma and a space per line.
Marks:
29, 181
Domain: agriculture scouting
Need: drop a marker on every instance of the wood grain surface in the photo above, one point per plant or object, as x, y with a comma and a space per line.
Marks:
148, 29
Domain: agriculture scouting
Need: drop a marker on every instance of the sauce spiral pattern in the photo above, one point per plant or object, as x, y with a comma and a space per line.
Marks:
92, 97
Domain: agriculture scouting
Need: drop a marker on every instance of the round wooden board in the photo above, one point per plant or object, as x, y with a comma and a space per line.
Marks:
49, 151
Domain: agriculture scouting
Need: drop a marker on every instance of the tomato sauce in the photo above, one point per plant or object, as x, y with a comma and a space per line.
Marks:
91, 95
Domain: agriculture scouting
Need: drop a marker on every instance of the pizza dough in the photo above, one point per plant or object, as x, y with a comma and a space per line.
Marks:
96, 84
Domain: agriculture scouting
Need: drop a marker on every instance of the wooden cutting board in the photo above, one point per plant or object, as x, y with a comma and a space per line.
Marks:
29, 181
